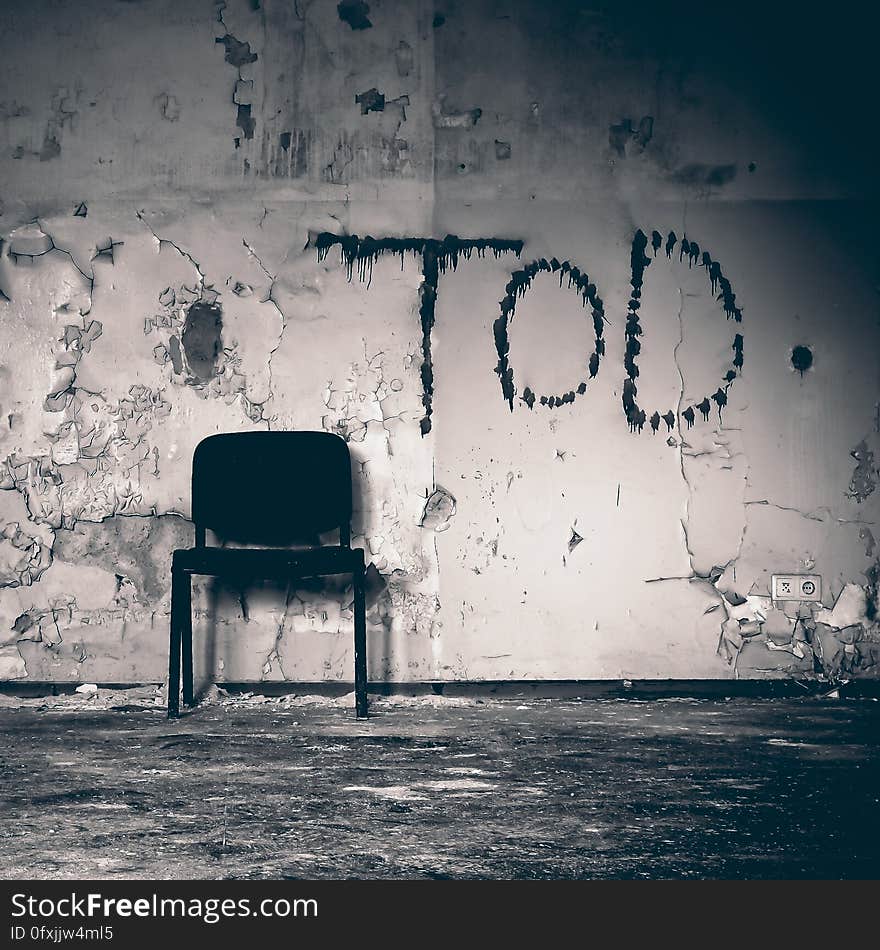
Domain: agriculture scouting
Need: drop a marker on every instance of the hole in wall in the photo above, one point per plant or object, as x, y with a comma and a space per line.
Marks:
801, 358
201, 338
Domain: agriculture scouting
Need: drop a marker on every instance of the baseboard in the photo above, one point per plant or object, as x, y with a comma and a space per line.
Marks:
534, 689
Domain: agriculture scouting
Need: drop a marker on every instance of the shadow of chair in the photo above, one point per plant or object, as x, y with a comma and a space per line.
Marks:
268, 489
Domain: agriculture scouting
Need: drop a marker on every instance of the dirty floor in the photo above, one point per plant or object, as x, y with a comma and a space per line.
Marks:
435, 787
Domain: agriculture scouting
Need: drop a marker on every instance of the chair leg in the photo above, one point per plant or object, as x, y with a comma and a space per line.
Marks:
174, 648
360, 644
187, 639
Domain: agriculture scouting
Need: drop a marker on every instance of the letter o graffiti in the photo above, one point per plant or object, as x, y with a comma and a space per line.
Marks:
520, 281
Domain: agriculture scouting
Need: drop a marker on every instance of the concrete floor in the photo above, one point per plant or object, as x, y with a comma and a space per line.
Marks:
441, 788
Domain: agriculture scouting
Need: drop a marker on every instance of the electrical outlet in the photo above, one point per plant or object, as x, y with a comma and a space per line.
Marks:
796, 587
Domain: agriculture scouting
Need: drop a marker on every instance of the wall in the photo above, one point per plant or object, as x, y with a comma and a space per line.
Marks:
581, 445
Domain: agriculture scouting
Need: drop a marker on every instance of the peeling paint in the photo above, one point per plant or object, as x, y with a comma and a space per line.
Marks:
864, 477
354, 13
237, 53
439, 510
444, 119
370, 101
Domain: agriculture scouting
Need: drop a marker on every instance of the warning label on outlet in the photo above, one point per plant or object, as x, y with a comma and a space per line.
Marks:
796, 587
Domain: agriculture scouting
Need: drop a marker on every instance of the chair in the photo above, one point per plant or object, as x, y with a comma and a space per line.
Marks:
270, 488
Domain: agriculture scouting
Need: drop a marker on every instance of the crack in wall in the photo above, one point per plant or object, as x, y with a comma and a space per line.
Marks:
810, 515
204, 289
23, 243
274, 655
681, 443
269, 298
353, 409
711, 581
24, 557
343, 157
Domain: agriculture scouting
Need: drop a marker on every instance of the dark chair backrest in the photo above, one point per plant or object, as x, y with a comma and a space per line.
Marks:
271, 487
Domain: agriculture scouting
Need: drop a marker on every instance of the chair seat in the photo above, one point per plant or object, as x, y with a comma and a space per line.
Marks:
266, 563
